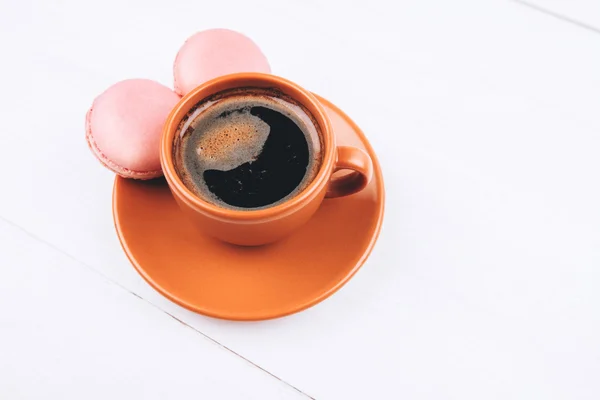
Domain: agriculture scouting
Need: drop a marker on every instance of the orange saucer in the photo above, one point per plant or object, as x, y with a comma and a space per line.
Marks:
250, 283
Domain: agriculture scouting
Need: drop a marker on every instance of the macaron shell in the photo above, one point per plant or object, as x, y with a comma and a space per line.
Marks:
215, 52
117, 169
124, 126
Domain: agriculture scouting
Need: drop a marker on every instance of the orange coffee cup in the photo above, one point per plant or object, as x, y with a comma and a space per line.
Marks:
256, 227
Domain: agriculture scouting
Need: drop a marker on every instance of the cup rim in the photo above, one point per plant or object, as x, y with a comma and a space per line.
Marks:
232, 81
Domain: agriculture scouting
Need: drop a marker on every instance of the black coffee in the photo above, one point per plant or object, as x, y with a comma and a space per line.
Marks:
248, 148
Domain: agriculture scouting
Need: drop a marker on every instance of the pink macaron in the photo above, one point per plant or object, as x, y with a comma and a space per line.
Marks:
215, 52
124, 125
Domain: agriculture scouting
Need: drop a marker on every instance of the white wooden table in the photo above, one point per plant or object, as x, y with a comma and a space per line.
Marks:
485, 282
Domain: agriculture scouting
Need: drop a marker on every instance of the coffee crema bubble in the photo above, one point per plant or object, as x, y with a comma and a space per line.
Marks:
247, 148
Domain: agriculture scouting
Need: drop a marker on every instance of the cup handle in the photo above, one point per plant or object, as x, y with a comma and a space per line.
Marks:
356, 160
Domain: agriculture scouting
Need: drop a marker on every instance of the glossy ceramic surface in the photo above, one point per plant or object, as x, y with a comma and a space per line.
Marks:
226, 281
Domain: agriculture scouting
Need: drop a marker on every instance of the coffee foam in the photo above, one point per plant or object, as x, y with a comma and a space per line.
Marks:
226, 143
222, 134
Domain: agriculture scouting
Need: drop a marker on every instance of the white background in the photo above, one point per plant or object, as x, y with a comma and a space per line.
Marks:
485, 282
